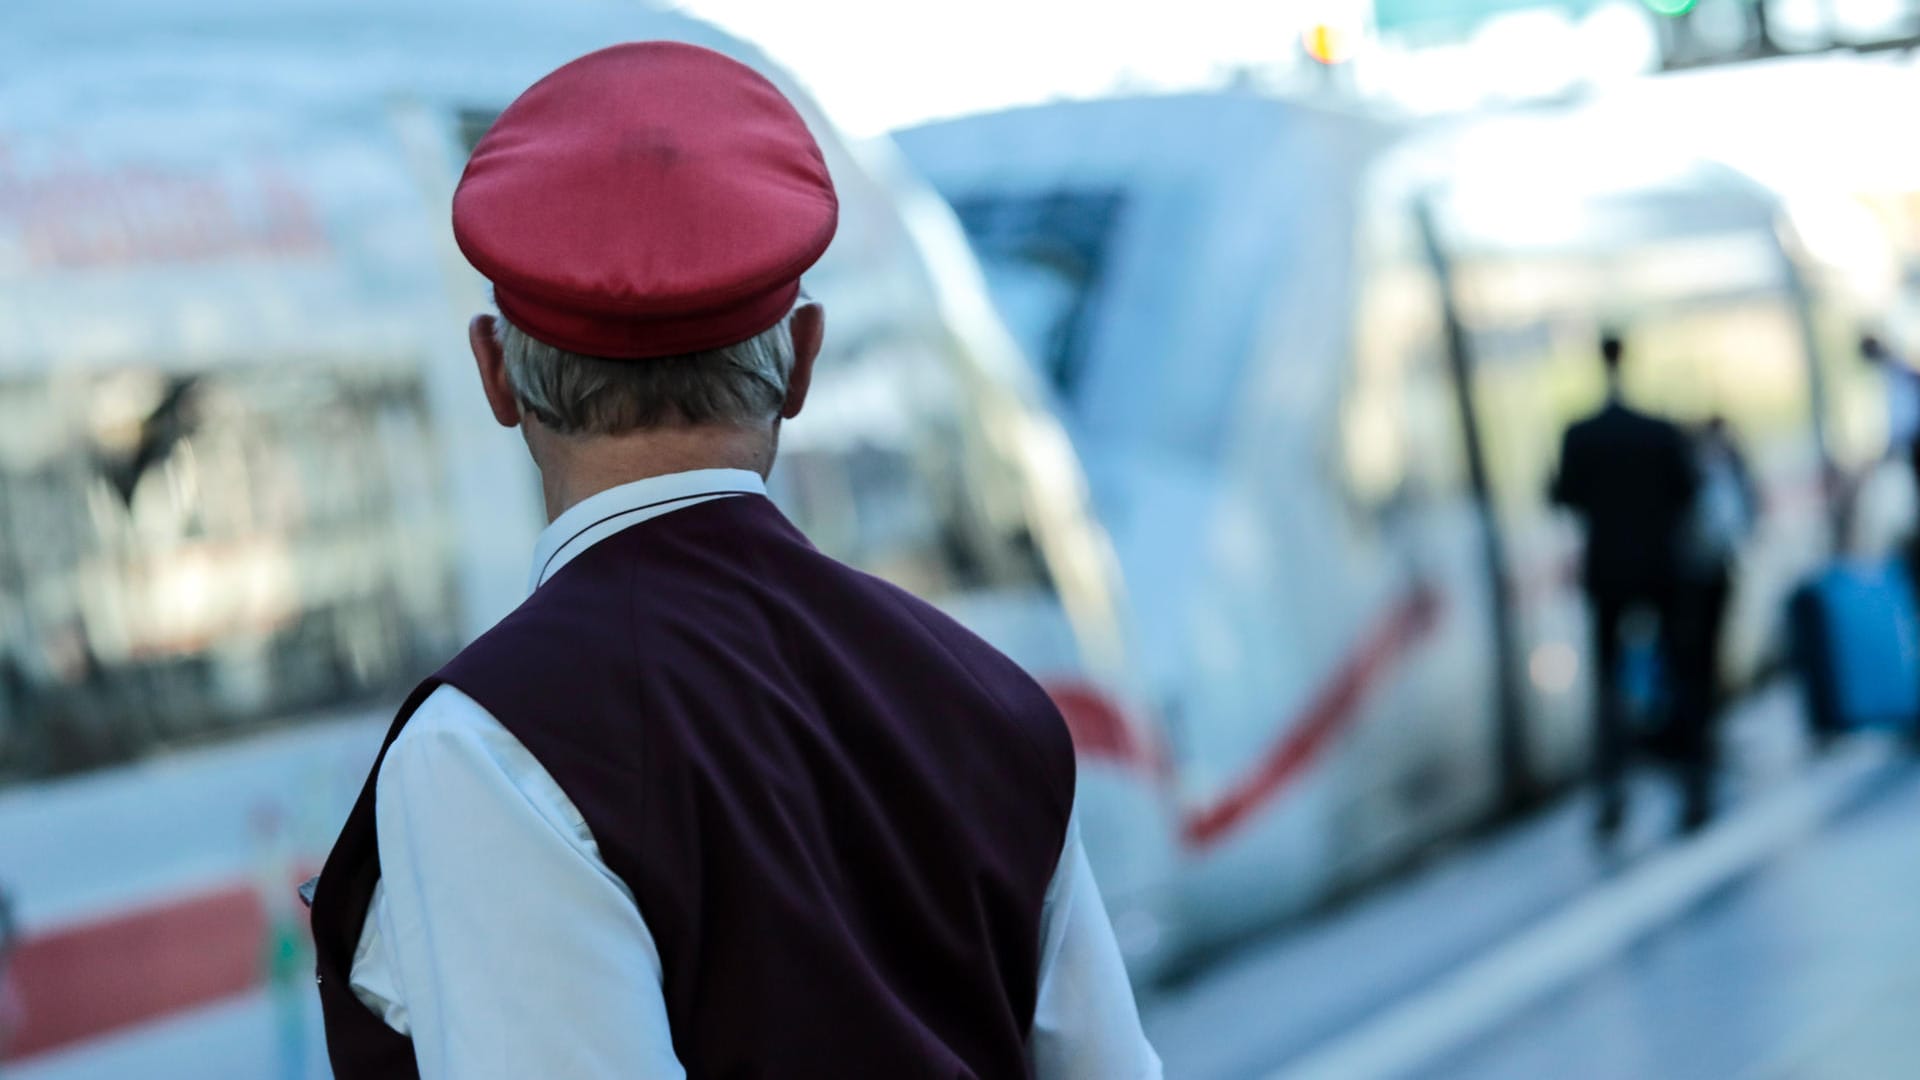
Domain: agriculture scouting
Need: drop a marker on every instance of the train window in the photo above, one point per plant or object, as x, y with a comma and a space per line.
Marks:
1400, 432
883, 470
1379, 434
1710, 330
187, 553
1043, 257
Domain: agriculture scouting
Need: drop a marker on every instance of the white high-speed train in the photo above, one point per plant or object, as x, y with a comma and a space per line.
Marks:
1317, 368
248, 492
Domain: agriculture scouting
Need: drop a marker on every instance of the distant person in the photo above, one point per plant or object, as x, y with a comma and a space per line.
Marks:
1903, 406
1725, 510
709, 803
1630, 478
1903, 395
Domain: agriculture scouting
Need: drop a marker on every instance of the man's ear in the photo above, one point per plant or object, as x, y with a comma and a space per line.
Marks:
809, 328
492, 362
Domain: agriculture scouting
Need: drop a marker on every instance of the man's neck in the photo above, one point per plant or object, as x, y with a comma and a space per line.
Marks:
574, 468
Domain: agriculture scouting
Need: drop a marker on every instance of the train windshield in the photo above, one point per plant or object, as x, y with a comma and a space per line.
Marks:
1045, 258
1148, 252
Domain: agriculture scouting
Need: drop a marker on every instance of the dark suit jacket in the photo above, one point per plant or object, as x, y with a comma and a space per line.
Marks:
1631, 478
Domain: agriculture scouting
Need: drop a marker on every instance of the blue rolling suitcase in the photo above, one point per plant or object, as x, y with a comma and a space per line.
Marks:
1856, 645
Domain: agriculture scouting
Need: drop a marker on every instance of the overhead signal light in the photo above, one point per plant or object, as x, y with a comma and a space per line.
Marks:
1330, 44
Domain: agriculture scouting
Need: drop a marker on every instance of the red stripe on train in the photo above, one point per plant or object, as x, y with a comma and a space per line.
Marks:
89, 979
1330, 712
1101, 731
1100, 728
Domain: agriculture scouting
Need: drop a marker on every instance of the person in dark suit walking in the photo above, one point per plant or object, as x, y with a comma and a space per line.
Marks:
1630, 478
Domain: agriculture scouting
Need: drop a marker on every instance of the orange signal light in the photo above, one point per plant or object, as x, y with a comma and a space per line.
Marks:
1329, 44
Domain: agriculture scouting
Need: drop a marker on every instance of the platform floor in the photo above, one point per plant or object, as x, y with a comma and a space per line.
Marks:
1783, 942
1808, 966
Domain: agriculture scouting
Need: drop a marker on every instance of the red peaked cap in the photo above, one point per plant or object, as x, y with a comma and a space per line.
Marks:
646, 200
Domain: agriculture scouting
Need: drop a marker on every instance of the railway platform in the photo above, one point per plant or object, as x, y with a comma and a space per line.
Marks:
1780, 942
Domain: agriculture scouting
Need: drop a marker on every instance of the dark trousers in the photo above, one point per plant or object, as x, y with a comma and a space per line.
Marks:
1913, 460
1691, 617
1913, 539
1703, 613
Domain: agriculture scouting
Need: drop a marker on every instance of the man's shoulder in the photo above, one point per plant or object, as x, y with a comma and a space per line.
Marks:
447, 716
805, 596
1612, 415
638, 608
555, 637
551, 620
1586, 431
899, 602
1676, 446
1618, 420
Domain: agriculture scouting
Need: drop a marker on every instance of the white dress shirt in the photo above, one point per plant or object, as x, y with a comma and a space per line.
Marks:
478, 844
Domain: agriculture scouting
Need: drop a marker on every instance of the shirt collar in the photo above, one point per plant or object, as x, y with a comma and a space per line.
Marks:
599, 516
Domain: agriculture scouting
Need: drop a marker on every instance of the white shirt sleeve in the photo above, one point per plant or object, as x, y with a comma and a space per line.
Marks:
1085, 1023
499, 939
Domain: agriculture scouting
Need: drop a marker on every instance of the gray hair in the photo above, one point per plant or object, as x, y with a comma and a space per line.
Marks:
741, 384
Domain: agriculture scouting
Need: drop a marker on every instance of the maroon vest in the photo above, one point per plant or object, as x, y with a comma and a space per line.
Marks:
837, 809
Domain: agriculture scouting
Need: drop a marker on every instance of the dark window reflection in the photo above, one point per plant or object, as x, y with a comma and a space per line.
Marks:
473, 125
889, 472
188, 554
1044, 258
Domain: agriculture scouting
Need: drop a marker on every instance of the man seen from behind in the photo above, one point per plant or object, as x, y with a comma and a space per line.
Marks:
1630, 478
708, 803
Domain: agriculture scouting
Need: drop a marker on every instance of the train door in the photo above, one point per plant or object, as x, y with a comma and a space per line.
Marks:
1408, 481
1683, 261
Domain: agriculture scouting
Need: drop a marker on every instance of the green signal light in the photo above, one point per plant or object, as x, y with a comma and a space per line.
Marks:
1672, 9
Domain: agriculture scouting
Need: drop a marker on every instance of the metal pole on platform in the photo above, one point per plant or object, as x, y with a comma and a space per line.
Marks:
1762, 30
1511, 743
